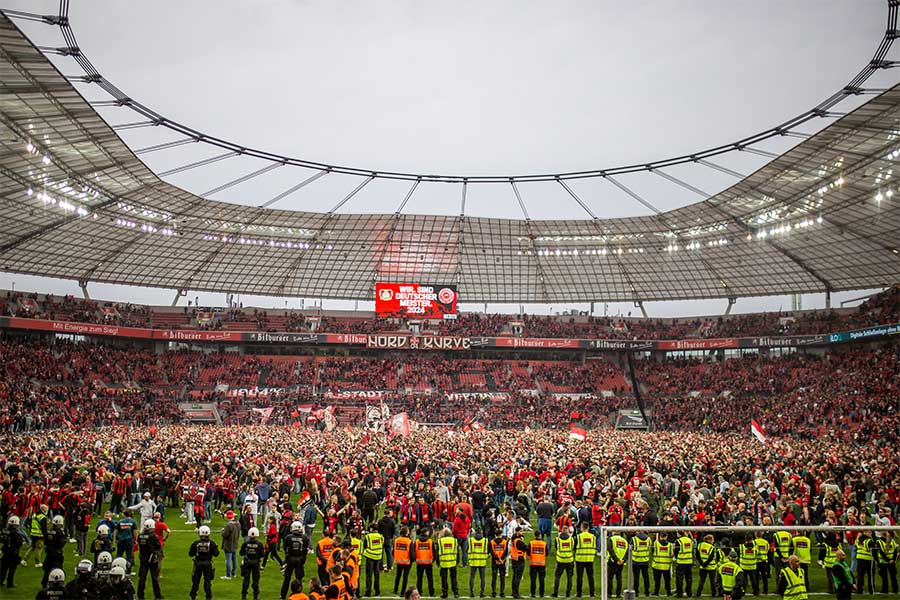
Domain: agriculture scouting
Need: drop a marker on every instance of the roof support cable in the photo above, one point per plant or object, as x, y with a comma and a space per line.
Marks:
242, 179
163, 146
576, 198
632, 193
355, 191
408, 196
199, 163
134, 125
293, 189
758, 152
680, 182
519, 198
720, 168
27, 16
462, 202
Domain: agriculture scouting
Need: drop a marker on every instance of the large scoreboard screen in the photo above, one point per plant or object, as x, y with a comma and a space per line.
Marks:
415, 301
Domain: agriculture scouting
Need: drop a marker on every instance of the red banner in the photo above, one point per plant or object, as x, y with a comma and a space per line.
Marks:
511, 342
79, 328
415, 301
132, 332
697, 344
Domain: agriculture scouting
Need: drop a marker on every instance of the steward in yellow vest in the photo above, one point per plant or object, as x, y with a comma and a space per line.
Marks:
478, 558
792, 581
730, 578
585, 551
373, 552
641, 545
661, 563
708, 558
565, 561
447, 560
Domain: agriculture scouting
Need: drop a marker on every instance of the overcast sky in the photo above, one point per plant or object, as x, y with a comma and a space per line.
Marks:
466, 88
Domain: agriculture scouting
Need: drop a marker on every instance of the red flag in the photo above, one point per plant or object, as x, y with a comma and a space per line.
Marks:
576, 432
757, 431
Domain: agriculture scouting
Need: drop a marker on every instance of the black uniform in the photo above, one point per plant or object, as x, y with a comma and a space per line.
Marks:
11, 541
251, 552
52, 593
518, 566
54, 542
83, 587
203, 551
121, 590
296, 546
150, 548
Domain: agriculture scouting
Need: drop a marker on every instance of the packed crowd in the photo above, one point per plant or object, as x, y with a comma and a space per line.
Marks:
854, 394
849, 393
883, 308
354, 483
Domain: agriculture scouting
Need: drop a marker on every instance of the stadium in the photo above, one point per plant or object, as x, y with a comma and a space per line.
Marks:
237, 373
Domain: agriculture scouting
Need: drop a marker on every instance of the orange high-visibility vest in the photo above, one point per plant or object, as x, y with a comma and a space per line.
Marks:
537, 553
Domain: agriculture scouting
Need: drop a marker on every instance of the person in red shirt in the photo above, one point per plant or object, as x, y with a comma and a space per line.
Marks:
162, 532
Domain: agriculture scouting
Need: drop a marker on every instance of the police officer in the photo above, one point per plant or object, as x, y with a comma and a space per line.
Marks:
565, 560
55, 543
730, 578
56, 586
203, 551
499, 552
537, 564
150, 548
11, 541
104, 564
585, 550
478, 555
120, 587
447, 561
296, 546
373, 552
251, 552
84, 586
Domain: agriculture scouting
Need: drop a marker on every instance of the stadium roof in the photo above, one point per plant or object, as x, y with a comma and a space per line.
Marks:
77, 203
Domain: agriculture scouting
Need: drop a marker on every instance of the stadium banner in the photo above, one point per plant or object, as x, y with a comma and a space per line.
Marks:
354, 394
859, 334
282, 337
78, 328
184, 335
543, 343
619, 345
782, 341
415, 301
415, 342
712, 344
403, 341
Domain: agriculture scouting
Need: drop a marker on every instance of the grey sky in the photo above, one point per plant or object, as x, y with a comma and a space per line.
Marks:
467, 88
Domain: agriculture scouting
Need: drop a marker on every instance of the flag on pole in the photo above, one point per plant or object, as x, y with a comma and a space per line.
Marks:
576, 432
757, 431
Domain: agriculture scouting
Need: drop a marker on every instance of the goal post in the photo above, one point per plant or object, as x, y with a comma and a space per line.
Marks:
627, 583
